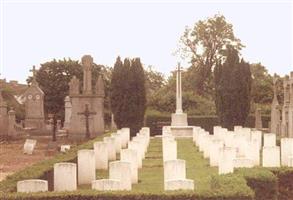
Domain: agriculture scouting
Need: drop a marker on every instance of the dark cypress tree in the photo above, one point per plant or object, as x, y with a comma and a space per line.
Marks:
117, 87
232, 90
128, 95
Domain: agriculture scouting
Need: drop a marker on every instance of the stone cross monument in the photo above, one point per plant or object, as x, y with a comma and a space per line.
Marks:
91, 98
86, 113
179, 118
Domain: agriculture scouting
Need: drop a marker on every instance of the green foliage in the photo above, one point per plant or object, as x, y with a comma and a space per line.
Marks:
8, 96
203, 45
262, 181
285, 182
232, 87
128, 94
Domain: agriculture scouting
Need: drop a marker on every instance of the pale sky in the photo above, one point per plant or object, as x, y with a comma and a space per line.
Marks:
33, 32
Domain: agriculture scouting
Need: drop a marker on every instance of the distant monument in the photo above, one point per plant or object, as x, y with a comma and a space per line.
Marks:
275, 111
258, 120
34, 105
93, 100
179, 125
287, 111
3, 116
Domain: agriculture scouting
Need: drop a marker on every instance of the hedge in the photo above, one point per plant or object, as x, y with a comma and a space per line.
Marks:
262, 181
95, 195
285, 180
156, 122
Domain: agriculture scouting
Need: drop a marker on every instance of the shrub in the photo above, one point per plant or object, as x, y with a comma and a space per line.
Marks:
285, 177
262, 181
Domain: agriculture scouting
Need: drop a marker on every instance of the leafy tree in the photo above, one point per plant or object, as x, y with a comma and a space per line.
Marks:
153, 81
203, 45
232, 86
262, 84
128, 94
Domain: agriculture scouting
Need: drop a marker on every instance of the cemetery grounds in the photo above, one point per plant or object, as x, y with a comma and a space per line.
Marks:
208, 184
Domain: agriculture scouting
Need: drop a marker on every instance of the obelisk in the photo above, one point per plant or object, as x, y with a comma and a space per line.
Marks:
275, 111
179, 118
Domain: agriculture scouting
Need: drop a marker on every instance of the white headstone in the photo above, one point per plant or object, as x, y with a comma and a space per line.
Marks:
101, 154
134, 145
227, 155
118, 142
106, 185
29, 146
65, 177
290, 161
269, 140
215, 152
32, 185
286, 150
64, 148
242, 162
169, 150
111, 148
253, 152
174, 170
121, 171
130, 155
257, 135
271, 156
184, 184
86, 166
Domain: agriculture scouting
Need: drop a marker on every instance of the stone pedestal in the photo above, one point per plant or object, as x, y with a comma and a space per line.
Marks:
179, 119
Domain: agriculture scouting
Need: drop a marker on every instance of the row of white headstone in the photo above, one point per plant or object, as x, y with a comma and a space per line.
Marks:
241, 148
174, 169
122, 174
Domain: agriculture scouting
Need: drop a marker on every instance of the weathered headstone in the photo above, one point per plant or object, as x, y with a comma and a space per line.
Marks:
101, 155
106, 185
227, 155
32, 185
65, 177
111, 148
271, 156
29, 146
64, 148
269, 140
86, 166
121, 171
130, 155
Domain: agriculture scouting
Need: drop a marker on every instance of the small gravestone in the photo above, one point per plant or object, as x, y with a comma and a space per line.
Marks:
64, 148
65, 177
271, 156
227, 155
110, 141
32, 185
29, 146
121, 171
269, 140
106, 185
134, 145
51, 148
86, 166
130, 155
101, 155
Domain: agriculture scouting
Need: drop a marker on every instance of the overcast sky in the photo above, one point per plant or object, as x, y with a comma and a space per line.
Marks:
33, 32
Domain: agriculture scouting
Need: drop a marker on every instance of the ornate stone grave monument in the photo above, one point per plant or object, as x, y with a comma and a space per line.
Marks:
93, 98
34, 105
